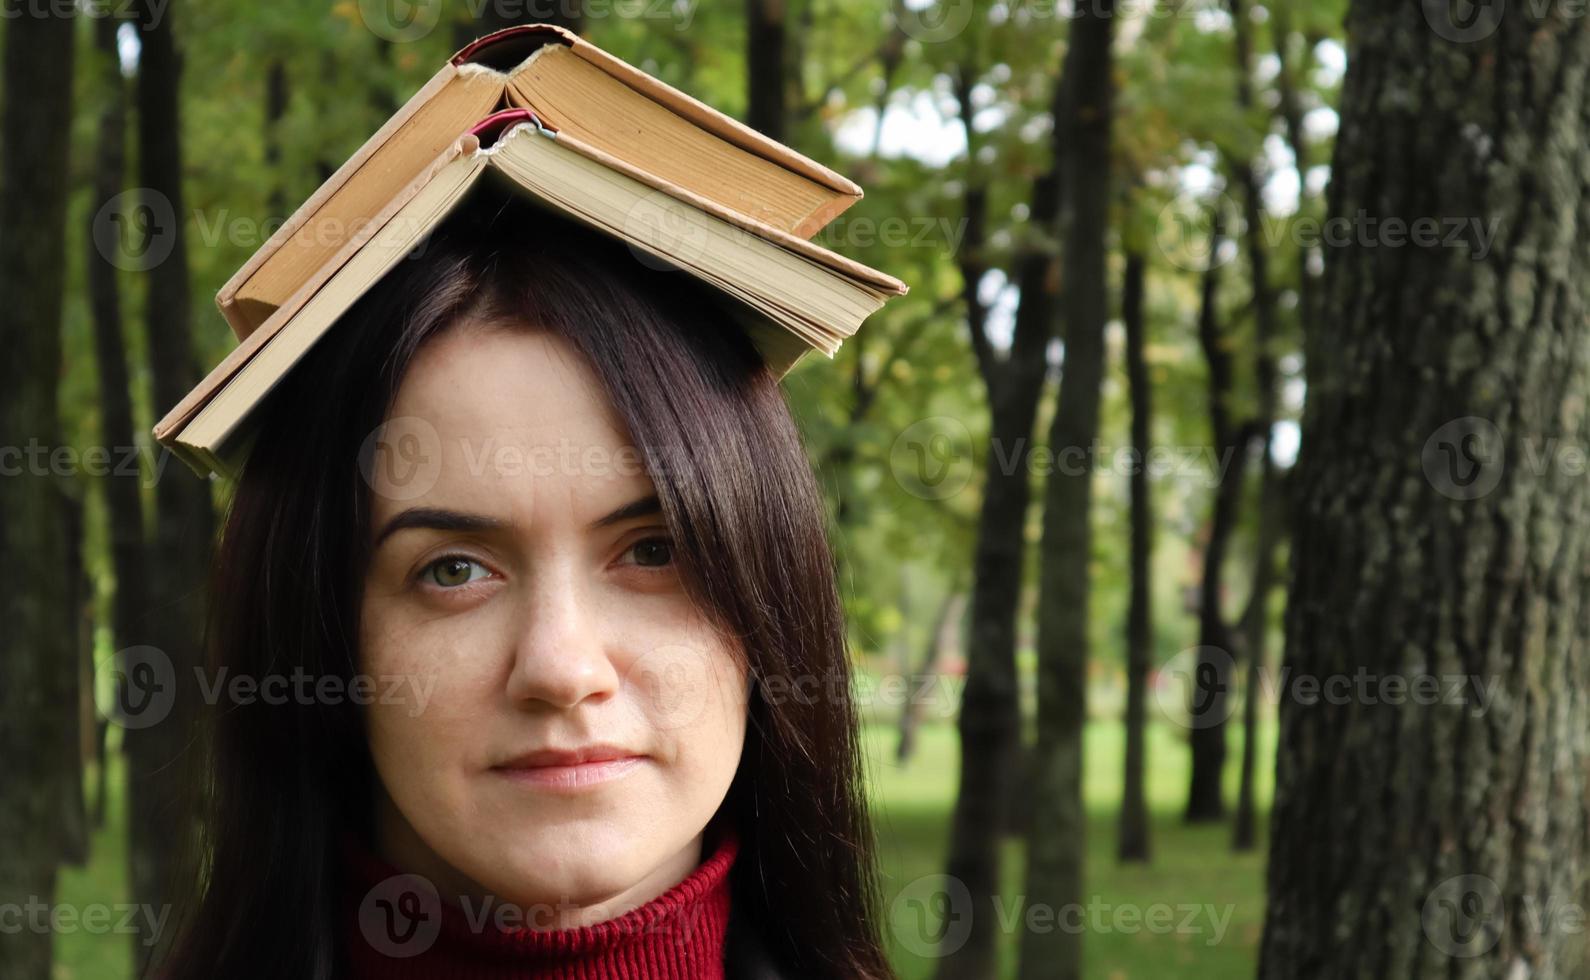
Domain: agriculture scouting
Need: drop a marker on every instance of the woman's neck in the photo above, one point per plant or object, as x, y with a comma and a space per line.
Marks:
399, 925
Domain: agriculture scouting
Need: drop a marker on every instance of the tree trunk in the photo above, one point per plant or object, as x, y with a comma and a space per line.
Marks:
1252, 628
1133, 844
275, 110
71, 807
767, 68
945, 629
1055, 848
124, 510
38, 667
990, 718
1440, 530
157, 762
1212, 676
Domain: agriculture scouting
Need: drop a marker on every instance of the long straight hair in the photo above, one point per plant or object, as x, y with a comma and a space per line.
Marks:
281, 782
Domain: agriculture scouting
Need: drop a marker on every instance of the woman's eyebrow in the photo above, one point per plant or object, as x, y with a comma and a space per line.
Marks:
643, 507
441, 519
438, 519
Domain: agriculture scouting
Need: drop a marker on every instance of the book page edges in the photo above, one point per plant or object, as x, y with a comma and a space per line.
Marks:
179, 416
726, 127
226, 297
719, 124
881, 281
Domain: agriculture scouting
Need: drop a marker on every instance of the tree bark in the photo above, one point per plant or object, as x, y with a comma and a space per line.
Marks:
1252, 629
1440, 528
1133, 844
990, 717
1055, 848
767, 68
38, 667
946, 628
124, 510
157, 762
1212, 677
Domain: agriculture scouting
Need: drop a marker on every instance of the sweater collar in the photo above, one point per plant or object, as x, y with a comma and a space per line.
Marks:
396, 926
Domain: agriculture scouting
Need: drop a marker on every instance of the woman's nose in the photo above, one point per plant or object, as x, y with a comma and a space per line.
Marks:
561, 654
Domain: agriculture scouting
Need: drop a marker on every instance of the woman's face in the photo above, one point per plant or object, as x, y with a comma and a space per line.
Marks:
522, 595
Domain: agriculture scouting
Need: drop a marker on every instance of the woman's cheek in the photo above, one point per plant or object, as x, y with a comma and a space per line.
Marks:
692, 695
439, 676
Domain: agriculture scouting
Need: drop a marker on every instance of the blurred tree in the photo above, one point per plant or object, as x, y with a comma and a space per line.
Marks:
767, 68
1435, 815
124, 508
39, 666
159, 825
1212, 677
1055, 844
1134, 833
990, 716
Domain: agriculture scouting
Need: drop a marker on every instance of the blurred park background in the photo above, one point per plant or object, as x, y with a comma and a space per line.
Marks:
1234, 426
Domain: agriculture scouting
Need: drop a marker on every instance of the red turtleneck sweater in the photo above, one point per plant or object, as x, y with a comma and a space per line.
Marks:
397, 927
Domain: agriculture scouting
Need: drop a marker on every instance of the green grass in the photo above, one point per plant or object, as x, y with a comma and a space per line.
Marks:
85, 955
1192, 867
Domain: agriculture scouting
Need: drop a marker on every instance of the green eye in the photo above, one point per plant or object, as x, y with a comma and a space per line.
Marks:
453, 571
654, 552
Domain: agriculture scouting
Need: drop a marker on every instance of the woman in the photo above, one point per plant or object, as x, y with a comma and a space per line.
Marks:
537, 519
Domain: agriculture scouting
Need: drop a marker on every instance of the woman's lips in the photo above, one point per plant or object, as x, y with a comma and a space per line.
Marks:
570, 770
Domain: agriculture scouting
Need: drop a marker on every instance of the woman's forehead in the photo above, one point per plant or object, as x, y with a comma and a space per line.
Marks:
510, 422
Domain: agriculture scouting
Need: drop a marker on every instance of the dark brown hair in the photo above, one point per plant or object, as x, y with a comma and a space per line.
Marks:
281, 782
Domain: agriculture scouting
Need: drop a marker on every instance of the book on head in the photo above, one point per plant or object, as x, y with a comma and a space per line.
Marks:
699, 193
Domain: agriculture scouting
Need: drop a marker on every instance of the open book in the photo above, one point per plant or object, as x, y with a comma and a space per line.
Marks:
575, 88
792, 296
